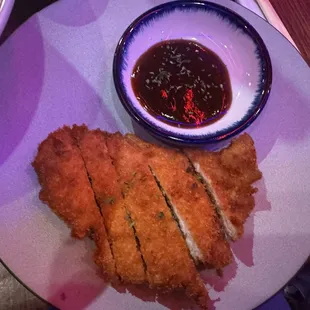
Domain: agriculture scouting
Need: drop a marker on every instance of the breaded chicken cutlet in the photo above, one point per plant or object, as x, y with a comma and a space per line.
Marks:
167, 260
153, 212
229, 176
104, 180
190, 203
67, 191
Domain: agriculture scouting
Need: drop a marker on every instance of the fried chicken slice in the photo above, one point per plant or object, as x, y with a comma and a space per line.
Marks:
229, 176
67, 191
192, 206
128, 261
167, 259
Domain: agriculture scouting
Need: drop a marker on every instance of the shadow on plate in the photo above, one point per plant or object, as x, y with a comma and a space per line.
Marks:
285, 117
80, 290
76, 13
171, 300
66, 100
22, 69
242, 248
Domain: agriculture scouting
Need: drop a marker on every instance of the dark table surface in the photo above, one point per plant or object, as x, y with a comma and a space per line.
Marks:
295, 15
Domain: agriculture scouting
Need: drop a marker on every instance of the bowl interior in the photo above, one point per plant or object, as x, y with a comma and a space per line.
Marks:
219, 30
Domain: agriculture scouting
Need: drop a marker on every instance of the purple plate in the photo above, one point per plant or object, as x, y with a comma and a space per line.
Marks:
57, 69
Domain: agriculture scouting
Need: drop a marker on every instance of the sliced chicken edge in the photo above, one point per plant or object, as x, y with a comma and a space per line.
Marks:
195, 251
193, 248
231, 231
138, 243
98, 205
196, 288
132, 226
228, 228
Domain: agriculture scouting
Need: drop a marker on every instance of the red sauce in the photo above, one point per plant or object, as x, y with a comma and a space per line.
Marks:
182, 83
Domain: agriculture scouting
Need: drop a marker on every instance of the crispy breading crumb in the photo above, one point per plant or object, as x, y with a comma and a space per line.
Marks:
67, 191
229, 176
92, 143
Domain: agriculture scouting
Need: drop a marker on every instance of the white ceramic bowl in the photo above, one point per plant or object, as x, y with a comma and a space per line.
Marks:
6, 7
227, 34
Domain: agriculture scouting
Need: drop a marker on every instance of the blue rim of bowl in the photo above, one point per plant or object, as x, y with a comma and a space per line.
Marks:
227, 133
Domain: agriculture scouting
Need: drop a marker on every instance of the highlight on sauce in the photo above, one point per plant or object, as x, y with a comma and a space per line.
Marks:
182, 83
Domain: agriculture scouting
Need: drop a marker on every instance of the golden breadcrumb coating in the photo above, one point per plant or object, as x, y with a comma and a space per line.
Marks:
230, 175
168, 263
128, 261
67, 191
193, 206
146, 206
